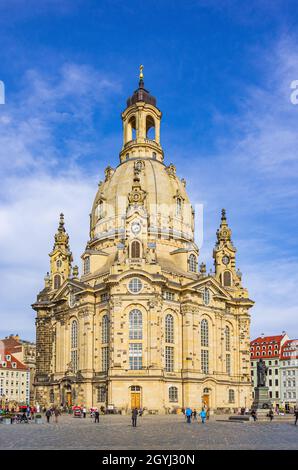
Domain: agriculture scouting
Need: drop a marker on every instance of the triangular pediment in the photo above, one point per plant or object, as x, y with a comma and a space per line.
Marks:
210, 282
70, 285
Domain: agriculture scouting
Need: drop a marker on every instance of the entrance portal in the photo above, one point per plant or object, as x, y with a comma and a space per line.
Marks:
135, 391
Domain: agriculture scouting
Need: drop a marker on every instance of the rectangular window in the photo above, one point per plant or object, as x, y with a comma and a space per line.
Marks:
205, 361
169, 359
104, 359
276, 395
169, 295
101, 394
270, 394
270, 383
276, 382
270, 371
135, 356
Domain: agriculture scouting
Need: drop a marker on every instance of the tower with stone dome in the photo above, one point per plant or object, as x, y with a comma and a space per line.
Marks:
143, 325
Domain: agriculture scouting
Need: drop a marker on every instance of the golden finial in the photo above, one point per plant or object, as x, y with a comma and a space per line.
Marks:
141, 76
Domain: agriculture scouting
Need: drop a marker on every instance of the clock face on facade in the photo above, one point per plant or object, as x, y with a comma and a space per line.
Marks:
136, 228
225, 260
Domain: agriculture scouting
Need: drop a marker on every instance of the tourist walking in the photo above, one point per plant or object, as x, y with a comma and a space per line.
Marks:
194, 414
188, 414
134, 415
296, 415
203, 415
56, 414
48, 415
254, 415
96, 416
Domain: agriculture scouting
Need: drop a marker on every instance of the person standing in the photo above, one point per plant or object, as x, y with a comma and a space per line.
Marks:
194, 414
296, 415
134, 415
203, 415
84, 412
96, 416
254, 415
270, 414
188, 413
56, 414
48, 415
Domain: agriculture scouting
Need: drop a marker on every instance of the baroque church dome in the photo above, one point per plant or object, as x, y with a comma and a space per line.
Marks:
142, 200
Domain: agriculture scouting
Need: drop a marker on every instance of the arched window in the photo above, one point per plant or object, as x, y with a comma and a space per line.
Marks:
150, 128
87, 265
227, 279
204, 333
173, 394
192, 263
154, 155
228, 364
57, 281
178, 206
131, 129
135, 324
135, 249
74, 345
105, 329
169, 329
228, 338
231, 396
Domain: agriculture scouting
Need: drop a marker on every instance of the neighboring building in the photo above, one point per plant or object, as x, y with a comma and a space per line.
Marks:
269, 349
143, 326
14, 379
289, 373
25, 352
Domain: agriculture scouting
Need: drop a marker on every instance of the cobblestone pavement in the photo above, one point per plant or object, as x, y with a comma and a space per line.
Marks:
152, 432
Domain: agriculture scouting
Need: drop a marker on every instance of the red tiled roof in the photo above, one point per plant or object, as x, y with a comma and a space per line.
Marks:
290, 346
267, 339
267, 347
11, 344
19, 364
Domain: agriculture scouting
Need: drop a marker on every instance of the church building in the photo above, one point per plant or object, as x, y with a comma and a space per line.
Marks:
144, 325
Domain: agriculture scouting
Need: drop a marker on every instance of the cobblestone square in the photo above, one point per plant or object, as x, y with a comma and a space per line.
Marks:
152, 432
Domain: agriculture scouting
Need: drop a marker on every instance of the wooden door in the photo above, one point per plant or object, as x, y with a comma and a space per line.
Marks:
205, 401
68, 398
135, 400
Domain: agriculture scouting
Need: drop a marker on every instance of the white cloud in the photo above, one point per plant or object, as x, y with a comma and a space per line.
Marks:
40, 178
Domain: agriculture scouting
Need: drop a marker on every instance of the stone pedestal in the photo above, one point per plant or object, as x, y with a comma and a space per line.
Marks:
262, 403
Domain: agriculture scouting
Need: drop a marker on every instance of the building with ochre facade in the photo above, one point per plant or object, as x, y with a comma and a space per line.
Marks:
143, 325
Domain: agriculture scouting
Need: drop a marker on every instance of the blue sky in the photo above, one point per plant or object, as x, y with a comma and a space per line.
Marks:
221, 72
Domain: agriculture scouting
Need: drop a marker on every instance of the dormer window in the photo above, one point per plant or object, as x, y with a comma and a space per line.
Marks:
8, 357
87, 265
192, 263
14, 365
206, 296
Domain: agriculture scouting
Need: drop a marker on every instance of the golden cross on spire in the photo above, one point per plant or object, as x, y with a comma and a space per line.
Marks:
141, 76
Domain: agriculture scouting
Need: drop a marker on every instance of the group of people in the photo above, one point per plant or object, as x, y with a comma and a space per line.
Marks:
271, 415
193, 415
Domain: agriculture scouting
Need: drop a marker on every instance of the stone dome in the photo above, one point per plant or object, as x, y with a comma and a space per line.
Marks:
165, 203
